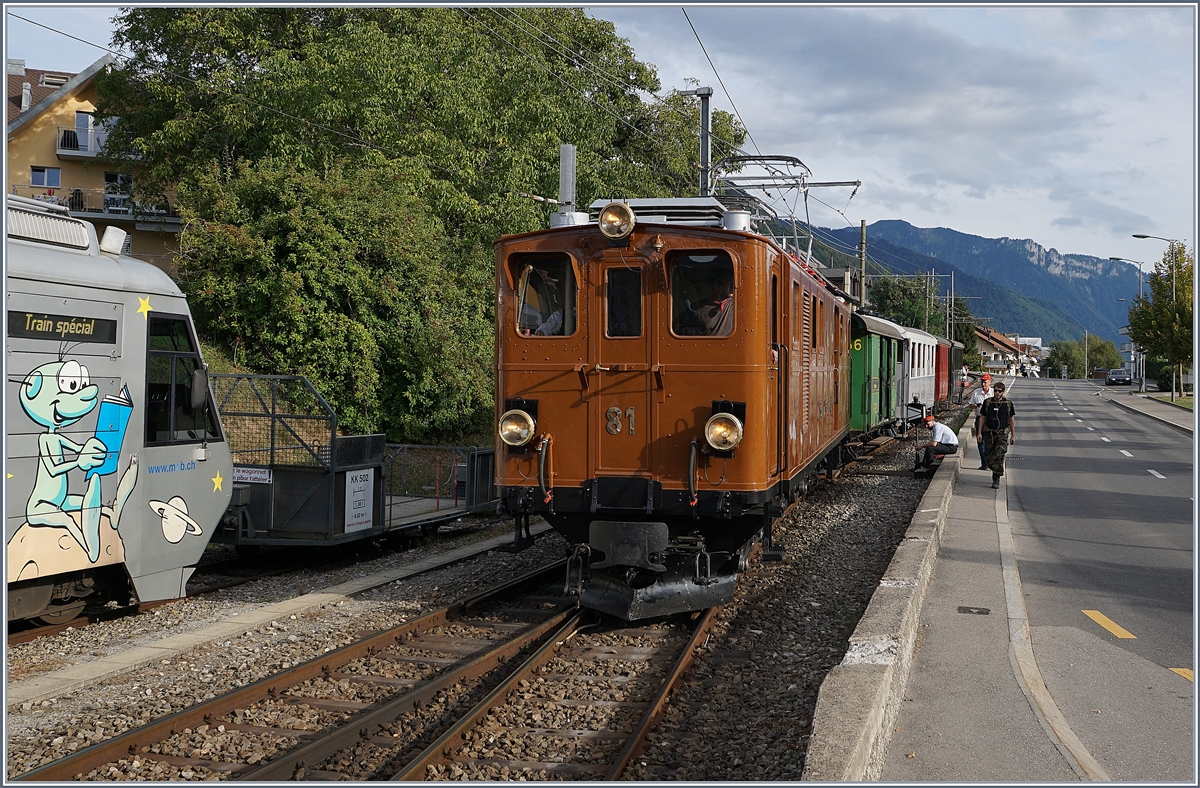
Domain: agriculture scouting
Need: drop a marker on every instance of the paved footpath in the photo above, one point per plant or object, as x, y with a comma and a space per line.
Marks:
975, 706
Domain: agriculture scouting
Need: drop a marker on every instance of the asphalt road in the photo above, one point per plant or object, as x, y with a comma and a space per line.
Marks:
1101, 514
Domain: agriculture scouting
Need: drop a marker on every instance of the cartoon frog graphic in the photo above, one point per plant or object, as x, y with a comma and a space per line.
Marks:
55, 396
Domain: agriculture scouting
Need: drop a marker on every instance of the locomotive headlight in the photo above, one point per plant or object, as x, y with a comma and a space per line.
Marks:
723, 431
617, 220
516, 428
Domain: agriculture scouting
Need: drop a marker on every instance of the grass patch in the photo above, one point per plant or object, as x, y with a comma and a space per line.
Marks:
1183, 401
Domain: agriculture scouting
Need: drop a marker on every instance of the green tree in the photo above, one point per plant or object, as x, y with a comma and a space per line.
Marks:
342, 173
1068, 352
910, 301
1162, 322
351, 282
1099, 353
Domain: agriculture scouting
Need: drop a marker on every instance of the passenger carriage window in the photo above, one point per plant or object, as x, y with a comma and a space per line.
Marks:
624, 303
171, 359
702, 297
546, 295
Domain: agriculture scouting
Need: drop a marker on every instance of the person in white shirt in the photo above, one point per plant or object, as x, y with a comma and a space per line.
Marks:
981, 395
944, 442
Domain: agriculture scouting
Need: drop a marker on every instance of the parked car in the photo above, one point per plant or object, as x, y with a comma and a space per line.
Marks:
1117, 377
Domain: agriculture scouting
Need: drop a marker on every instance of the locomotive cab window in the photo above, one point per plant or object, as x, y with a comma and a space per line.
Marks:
623, 300
702, 293
546, 296
172, 359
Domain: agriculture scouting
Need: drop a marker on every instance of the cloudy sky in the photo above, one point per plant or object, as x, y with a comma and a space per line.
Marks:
1074, 126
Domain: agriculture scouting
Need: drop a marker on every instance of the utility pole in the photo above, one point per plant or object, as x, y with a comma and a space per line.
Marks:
862, 264
928, 283
1087, 371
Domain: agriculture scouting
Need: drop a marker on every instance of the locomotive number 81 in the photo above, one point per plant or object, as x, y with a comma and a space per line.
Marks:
667, 381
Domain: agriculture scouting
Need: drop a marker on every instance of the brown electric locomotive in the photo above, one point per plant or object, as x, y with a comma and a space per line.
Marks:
667, 381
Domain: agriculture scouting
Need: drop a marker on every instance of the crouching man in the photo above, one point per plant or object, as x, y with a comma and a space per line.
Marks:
944, 442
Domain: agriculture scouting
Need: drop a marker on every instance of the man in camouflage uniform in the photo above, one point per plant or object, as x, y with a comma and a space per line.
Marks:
997, 425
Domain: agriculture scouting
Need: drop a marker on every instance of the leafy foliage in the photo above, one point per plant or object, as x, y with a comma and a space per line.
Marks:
1081, 357
342, 173
1162, 323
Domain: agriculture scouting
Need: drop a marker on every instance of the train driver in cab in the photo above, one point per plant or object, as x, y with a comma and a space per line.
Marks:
547, 304
712, 316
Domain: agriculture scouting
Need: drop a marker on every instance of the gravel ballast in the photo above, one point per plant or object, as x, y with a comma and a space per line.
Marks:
765, 658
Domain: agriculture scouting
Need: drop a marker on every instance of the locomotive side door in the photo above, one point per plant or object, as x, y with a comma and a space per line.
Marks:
621, 383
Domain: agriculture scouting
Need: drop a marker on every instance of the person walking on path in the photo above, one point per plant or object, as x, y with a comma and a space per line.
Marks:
978, 397
944, 442
996, 422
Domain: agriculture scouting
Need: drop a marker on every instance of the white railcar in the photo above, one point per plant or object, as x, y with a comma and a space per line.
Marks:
117, 469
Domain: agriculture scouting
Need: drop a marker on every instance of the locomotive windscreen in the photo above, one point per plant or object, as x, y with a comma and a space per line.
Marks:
546, 296
624, 299
702, 293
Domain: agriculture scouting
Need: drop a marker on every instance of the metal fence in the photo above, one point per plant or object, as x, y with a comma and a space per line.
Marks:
275, 420
431, 483
282, 422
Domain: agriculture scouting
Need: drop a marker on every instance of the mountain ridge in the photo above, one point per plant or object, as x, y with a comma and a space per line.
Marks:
1057, 295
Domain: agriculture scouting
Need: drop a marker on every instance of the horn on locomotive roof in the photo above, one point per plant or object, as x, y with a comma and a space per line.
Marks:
566, 215
705, 138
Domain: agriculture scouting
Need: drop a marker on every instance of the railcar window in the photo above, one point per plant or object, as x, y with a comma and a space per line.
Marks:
171, 360
546, 295
624, 302
702, 293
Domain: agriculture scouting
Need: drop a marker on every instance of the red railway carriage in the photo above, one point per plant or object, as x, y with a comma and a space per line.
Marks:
942, 371
664, 386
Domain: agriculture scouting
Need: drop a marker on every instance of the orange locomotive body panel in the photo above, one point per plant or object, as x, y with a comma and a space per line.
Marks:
622, 353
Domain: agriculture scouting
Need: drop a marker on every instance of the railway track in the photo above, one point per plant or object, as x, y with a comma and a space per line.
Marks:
283, 561
405, 703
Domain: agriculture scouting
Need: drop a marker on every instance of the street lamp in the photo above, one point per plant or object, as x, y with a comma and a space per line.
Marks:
1171, 252
1140, 359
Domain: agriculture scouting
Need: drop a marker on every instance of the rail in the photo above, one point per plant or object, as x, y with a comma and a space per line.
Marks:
324, 666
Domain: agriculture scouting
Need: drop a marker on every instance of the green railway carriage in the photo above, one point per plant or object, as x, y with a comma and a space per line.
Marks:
875, 354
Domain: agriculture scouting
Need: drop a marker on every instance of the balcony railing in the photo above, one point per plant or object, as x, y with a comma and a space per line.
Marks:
85, 143
96, 201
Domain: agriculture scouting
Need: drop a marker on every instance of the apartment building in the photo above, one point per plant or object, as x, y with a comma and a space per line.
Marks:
54, 147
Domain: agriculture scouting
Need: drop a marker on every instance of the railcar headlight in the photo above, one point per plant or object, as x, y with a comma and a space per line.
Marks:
723, 431
516, 428
617, 220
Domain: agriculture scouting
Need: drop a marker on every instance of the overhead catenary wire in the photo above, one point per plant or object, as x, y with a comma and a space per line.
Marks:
783, 180
258, 105
719, 80
307, 122
560, 48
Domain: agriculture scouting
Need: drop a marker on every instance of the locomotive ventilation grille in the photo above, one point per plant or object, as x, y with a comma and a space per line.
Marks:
691, 211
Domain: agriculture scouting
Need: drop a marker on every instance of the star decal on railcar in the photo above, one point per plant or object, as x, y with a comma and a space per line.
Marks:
144, 308
216, 480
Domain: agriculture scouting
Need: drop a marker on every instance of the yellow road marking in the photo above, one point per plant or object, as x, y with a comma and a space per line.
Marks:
1185, 672
1109, 624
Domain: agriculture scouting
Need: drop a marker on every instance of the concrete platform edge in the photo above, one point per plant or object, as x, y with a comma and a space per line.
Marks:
67, 680
859, 699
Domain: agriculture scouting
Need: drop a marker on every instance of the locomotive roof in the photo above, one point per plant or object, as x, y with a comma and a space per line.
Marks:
46, 244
